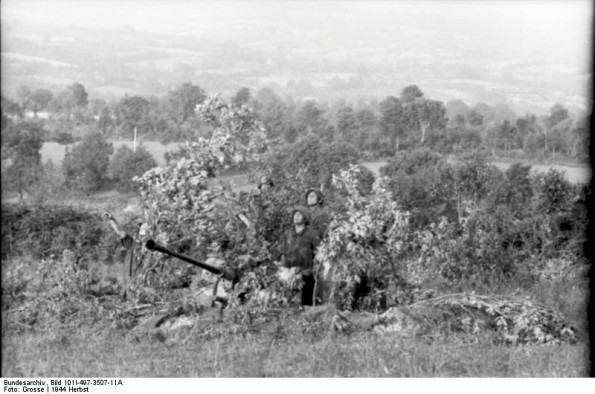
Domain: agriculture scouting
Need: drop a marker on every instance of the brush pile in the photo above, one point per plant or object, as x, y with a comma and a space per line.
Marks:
508, 320
514, 320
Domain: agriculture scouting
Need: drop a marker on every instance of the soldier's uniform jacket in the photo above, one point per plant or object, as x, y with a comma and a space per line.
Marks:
299, 248
320, 220
319, 216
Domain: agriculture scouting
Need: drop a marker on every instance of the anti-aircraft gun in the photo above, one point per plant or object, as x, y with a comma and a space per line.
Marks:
286, 275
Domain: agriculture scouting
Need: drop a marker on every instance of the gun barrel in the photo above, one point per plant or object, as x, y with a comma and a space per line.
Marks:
228, 275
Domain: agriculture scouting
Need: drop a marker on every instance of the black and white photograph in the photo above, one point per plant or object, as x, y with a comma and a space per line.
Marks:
294, 189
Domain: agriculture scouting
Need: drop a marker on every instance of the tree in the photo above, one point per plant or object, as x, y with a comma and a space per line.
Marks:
474, 118
422, 114
469, 180
21, 157
416, 180
241, 97
183, 101
126, 164
85, 166
40, 99
557, 114
391, 119
310, 162
514, 192
411, 93
105, 121
508, 136
369, 129
24, 96
347, 123
557, 126
580, 139
459, 121
77, 96
132, 112
275, 115
10, 110
310, 118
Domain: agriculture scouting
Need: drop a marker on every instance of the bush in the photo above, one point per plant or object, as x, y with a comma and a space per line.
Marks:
21, 157
417, 183
366, 244
126, 164
42, 231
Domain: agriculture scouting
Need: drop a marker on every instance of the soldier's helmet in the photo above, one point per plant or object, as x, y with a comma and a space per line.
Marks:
265, 180
303, 210
318, 193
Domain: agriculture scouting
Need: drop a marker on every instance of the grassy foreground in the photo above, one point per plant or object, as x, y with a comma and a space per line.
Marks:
111, 352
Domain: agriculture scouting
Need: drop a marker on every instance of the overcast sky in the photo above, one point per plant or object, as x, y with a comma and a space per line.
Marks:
547, 26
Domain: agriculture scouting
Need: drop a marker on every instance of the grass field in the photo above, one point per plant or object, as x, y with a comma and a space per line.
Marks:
102, 350
111, 352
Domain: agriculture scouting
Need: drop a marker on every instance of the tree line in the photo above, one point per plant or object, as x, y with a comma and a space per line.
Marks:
379, 128
369, 130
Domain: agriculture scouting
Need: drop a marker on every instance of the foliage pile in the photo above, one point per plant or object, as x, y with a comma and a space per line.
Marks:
515, 320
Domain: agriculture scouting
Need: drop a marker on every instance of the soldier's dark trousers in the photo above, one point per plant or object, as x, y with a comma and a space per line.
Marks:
308, 290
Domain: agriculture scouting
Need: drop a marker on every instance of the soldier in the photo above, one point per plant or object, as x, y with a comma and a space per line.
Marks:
266, 183
318, 213
299, 245
320, 221
134, 257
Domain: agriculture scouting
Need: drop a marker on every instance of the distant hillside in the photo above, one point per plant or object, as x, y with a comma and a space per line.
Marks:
111, 63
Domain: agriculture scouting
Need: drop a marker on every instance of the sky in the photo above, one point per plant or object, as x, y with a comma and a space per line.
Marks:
542, 21
546, 24
548, 31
